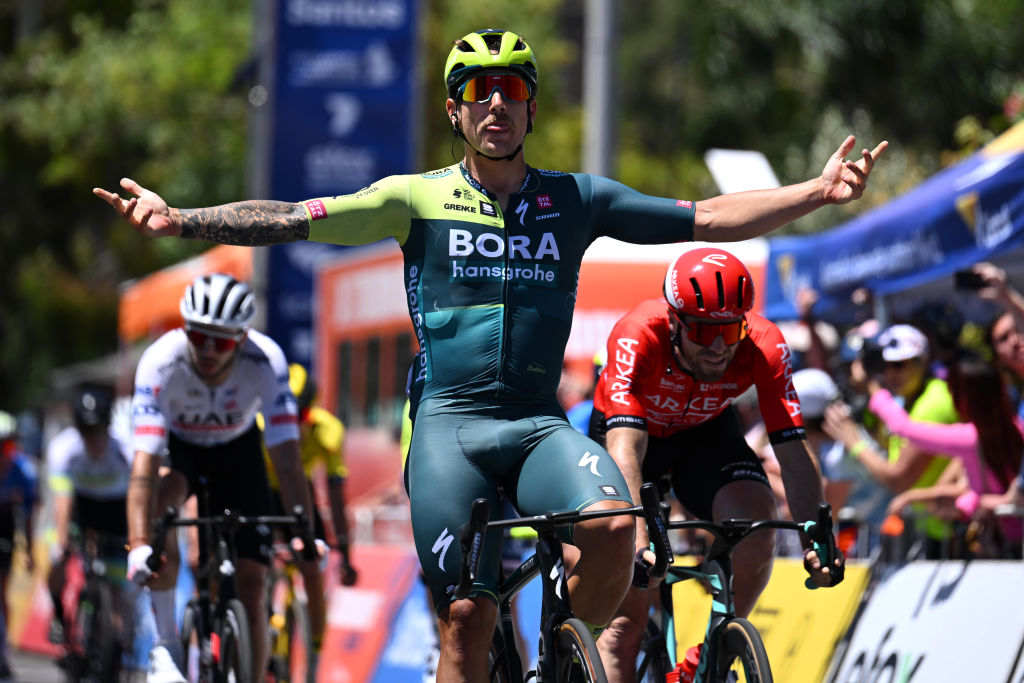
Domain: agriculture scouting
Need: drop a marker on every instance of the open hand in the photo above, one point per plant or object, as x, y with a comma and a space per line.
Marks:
844, 180
147, 212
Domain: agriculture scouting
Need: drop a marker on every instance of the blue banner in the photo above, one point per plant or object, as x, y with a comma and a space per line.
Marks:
967, 213
344, 99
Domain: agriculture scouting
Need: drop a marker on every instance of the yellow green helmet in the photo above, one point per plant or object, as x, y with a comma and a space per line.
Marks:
302, 385
473, 52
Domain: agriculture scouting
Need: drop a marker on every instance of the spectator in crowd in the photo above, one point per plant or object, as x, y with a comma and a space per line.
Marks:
812, 342
847, 483
941, 322
989, 444
903, 465
1006, 331
18, 495
579, 414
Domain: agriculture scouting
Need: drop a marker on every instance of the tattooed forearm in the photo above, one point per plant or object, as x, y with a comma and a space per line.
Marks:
251, 224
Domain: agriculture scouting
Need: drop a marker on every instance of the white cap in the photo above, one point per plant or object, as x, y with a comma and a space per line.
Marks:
815, 389
902, 342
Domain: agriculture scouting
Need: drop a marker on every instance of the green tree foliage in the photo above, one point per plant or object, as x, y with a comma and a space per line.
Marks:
103, 90
92, 90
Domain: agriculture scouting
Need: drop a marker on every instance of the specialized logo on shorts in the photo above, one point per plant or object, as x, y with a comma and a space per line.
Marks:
316, 209
609, 490
590, 460
441, 546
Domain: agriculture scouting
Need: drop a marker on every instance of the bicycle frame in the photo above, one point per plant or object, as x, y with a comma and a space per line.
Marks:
716, 571
547, 561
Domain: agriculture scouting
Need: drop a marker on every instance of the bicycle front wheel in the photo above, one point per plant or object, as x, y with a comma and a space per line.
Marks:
235, 646
741, 654
576, 656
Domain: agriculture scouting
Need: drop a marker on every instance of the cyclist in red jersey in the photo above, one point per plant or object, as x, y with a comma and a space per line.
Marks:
662, 407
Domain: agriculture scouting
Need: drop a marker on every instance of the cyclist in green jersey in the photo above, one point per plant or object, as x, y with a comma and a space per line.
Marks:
492, 250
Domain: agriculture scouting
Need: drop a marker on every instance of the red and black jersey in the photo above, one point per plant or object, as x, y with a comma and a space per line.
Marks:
643, 386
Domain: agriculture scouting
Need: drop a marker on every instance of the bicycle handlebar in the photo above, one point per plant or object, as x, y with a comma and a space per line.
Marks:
471, 535
732, 531
230, 521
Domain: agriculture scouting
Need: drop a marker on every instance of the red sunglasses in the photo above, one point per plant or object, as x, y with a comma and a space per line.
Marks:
705, 334
481, 89
200, 339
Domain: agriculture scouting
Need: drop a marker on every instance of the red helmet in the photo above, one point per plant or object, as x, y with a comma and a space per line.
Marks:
709, 283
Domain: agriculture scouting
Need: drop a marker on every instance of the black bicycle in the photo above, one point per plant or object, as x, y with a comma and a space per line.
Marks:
101, 629
567, 651
215, 626
732, 651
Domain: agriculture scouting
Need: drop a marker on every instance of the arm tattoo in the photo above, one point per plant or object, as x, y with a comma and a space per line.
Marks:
250, 224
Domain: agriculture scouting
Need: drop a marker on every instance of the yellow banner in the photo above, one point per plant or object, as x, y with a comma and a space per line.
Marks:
800, 627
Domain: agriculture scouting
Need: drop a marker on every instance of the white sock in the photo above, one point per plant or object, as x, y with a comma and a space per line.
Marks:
163, 614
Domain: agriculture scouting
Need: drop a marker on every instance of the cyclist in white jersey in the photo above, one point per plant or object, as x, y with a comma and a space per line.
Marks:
87, 469
197, 392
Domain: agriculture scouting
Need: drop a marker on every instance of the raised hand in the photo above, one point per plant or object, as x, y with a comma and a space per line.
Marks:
844, 180
147, 212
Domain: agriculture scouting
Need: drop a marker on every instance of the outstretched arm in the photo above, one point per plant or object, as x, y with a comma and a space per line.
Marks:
249, 223
742, 215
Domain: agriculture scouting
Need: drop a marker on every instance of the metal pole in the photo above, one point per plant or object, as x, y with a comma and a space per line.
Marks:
598, 85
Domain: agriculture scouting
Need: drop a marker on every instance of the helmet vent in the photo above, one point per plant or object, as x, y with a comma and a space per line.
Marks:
721, 290
697, 293
741, 285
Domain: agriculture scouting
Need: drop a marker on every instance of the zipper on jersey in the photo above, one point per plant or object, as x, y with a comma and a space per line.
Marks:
505, 287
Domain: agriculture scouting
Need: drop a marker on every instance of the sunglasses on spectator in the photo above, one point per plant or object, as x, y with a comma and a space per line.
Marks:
705, 334
221, 343
481, 89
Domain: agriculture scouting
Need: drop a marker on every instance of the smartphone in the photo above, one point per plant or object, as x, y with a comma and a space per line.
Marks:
968, 279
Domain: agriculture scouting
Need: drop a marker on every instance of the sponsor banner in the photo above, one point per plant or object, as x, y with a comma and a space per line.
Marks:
800, 627
360, 618
940, 621
970, 212
344, 101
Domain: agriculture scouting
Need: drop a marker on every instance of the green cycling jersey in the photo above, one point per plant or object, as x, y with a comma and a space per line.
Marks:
491, 289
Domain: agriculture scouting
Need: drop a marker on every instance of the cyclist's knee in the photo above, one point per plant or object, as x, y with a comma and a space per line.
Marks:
468, 622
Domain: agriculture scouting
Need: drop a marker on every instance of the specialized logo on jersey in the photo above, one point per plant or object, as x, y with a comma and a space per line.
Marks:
521, 211
481, 256
441, 546
558, 576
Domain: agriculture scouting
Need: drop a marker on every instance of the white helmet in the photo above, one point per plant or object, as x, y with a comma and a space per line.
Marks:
816, 390
218, 300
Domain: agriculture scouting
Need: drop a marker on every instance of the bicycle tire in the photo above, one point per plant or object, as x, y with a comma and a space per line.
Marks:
741, 651
576, 657
235, 664
291, 648
191, 643
99, 646
653, 662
